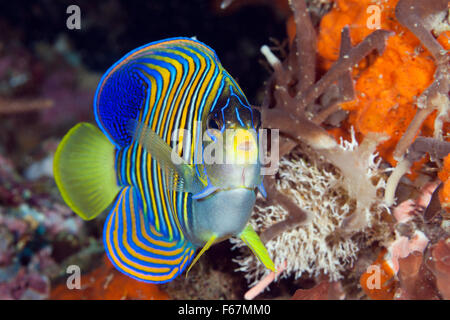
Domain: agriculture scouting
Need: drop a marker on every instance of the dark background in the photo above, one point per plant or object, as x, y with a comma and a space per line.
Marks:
110, 29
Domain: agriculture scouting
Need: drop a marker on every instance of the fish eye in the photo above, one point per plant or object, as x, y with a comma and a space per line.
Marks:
212, 123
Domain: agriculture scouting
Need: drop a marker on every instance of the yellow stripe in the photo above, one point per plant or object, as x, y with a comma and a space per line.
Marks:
132, 272
170, 99
121, 255
187, 79
156, 46
172, 196
163, 202
186, 259
161, 243
187, 97
149, 159
138, 161
185, 211
128, 164
164, 74
208, 103
140, 245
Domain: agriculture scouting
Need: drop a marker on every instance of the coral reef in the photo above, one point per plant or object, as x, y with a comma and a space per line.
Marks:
42, 90
324, 244
389, 87
329, 203
39, 236
26, 282
29, 221
419, 276
351, 180
410, 269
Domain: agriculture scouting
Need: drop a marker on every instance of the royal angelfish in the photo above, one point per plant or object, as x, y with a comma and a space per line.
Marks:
147, 167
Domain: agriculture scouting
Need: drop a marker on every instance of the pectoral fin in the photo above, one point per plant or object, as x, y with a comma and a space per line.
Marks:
252, 240
180, 175
205, 247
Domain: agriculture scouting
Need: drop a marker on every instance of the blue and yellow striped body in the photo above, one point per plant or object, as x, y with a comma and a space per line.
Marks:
167, 86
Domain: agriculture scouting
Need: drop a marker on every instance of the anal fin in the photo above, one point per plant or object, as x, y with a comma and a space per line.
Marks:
136, 248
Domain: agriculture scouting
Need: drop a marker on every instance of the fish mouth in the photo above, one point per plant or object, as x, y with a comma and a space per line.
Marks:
254, 189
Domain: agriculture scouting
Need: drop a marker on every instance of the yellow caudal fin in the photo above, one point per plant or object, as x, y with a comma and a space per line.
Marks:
84, 170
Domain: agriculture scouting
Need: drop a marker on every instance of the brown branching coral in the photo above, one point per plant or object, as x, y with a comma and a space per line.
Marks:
411, 13
296, 217
294, 89
344, 88
305, 41
290, 109
437, 150
375, 41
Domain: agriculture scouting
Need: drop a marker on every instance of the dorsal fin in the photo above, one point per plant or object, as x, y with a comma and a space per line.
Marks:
124, 89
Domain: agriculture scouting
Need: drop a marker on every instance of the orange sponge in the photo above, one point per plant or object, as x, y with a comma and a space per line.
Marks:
384, 285
444, 175
387, 86
106, 283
